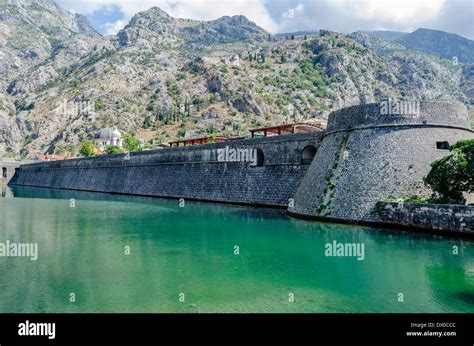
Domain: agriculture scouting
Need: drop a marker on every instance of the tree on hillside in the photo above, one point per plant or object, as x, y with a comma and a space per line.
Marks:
87, 149
131, 143
453, 174
147, 122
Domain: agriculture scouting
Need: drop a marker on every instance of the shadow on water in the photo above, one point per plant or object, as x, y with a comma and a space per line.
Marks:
467, 297
47, 193
6, 191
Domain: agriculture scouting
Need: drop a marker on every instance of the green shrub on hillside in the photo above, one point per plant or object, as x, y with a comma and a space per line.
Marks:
87, 149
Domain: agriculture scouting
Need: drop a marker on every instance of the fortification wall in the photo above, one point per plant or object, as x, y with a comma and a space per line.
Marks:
366, 157
186, 172
443, 217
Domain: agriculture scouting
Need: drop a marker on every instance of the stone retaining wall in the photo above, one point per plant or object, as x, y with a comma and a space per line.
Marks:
445, 217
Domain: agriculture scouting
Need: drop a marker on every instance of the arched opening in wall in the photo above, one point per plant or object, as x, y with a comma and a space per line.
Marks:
4, 172
308, 155
260, 158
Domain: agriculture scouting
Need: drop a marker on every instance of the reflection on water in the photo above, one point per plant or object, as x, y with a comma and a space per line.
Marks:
192, 250
6, 191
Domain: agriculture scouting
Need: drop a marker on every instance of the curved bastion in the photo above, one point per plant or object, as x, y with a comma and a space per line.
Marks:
377, 152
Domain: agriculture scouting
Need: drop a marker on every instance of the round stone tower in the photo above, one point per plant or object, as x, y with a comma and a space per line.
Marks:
376, 152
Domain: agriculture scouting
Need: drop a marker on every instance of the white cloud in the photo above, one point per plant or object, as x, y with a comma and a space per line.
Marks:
115, 27
86, 6
398, 11
454, 16
290, 14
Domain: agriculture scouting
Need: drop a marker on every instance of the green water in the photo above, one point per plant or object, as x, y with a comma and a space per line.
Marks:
191, 250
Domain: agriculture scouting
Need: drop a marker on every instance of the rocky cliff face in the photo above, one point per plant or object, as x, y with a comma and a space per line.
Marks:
32, 30
164, 78
439, 43
434, 42
36, 39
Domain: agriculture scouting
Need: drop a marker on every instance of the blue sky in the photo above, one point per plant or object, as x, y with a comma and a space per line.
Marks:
456, 16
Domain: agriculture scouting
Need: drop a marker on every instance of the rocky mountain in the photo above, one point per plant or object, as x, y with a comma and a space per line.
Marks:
387, 34
388, 43
435, 42
377, 42
32, 33
439, 43
163, 78
226, 30
32, 30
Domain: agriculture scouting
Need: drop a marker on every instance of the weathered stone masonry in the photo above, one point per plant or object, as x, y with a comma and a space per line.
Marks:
366, 157
186, 172
458, 218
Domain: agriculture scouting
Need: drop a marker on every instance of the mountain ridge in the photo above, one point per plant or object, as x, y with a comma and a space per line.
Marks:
140, 79
436, 42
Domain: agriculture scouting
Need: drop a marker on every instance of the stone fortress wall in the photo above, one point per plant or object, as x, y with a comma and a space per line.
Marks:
368, 156
192, 172
364, 157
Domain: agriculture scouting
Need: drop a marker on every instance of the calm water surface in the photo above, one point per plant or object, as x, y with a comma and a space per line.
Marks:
190, 250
